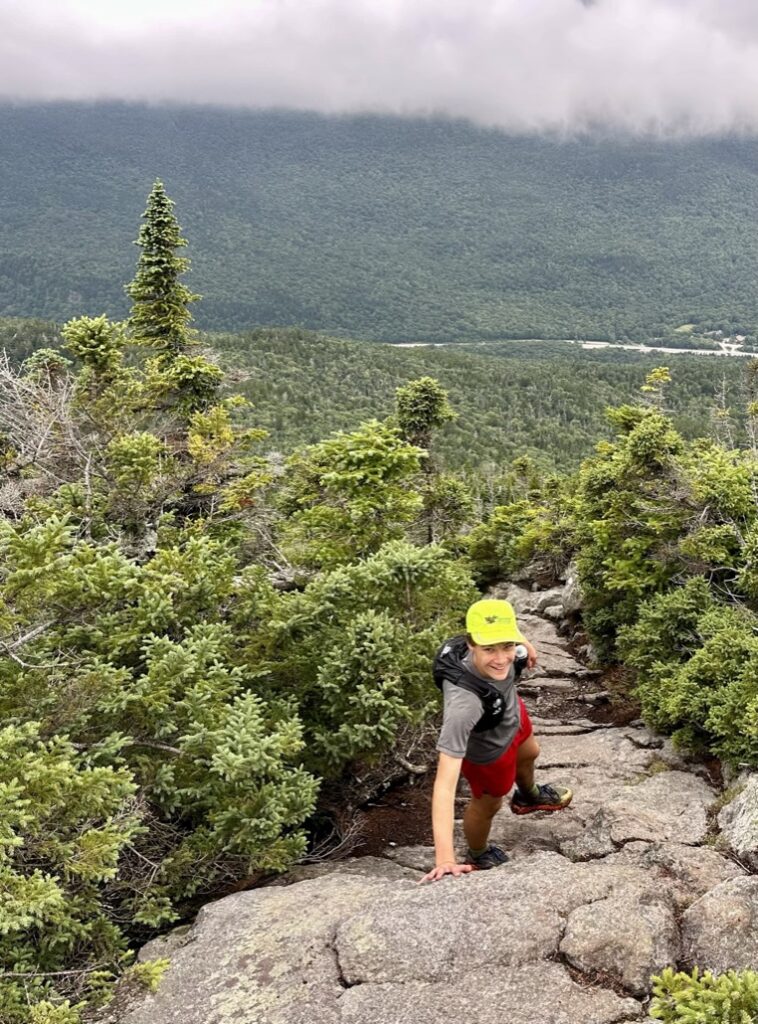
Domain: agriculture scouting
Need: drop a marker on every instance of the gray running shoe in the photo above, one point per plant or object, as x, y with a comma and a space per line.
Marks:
492, 857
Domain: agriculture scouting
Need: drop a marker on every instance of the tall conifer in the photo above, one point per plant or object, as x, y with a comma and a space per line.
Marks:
160, 316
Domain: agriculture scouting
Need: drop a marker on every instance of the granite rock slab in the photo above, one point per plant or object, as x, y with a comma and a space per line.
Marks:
368, 867
265, 955
738, 821
627, 937
507, 917
687, 872
669, 806
609, 749
553, 661
531, 994
720, 930
448, 929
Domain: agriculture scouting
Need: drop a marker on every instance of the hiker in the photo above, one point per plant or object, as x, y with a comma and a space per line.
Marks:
486, 735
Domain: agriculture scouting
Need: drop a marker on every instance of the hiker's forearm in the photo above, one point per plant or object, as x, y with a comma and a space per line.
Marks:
443, 813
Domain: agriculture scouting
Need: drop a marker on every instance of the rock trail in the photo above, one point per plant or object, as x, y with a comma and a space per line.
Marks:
594, 900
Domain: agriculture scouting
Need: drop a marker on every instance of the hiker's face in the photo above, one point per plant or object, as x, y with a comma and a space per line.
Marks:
494, 660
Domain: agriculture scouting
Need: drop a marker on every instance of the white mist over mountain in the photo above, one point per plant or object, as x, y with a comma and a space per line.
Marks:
662, 67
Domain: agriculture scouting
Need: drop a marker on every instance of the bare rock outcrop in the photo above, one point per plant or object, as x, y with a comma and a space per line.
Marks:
628, 936
533, 994
720, 930
738, 821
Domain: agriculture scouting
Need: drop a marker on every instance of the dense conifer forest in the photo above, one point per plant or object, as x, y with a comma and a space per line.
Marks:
382, 228
542, 399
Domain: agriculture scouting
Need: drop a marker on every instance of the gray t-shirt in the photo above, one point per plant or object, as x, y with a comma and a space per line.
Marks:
463, 710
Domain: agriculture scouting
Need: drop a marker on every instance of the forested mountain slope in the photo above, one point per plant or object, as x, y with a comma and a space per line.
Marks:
541, 399
380, 227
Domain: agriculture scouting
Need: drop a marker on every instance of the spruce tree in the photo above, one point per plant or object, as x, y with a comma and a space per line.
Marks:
160, 316
421, 408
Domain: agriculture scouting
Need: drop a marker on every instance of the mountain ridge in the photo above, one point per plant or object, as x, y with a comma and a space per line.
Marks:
379, 227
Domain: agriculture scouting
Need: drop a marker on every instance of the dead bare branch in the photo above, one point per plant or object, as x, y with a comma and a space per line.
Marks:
27, 638
414, 769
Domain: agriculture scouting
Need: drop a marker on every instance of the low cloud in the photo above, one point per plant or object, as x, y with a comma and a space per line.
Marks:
682, 67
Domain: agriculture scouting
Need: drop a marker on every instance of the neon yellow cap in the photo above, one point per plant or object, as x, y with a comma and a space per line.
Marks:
493, 622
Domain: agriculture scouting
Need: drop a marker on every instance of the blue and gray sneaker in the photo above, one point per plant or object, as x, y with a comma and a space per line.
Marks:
492, 857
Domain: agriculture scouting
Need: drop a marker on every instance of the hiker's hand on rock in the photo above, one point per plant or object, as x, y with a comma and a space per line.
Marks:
531, 655
448, 868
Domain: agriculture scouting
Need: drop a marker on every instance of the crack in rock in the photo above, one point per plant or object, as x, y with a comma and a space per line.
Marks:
331, 948
565, 764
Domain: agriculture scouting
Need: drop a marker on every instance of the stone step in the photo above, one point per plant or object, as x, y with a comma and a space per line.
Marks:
573, 723
552, 662
546, 684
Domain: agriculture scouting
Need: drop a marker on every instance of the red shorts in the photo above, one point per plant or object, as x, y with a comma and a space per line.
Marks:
497, 777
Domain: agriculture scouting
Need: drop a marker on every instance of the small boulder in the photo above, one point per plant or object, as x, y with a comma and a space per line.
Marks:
720, 930
550, 599
624, 936
738, 822
554, 612
552, 661
571, 596
642, 737
524, 601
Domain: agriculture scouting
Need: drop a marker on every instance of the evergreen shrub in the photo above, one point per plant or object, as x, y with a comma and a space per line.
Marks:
354, 648
64, 822
705, 998
347, 495
696, 663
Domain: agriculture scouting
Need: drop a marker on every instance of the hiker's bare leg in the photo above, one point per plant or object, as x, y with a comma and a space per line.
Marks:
477, 819
527, 754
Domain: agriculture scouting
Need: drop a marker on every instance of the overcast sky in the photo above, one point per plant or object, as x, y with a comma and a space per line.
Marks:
663, 66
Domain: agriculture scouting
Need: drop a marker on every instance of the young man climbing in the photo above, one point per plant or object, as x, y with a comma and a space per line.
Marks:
486, 735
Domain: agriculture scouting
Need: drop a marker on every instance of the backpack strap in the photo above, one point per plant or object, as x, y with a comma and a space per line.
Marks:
492, 700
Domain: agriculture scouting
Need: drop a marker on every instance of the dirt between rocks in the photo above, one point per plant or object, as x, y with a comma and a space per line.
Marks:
401, 817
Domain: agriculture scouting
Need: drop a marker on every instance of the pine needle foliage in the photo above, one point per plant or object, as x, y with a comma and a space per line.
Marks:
422, 407
349, 494
704, 998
